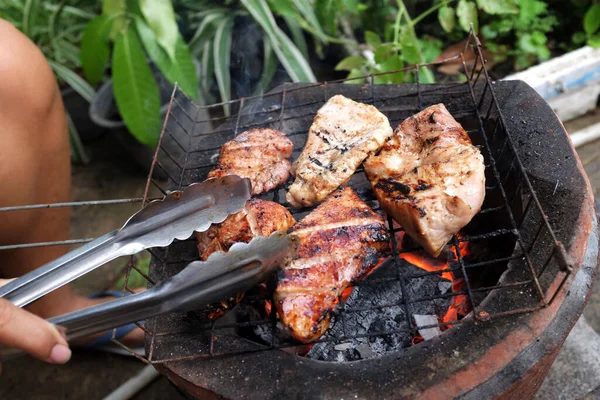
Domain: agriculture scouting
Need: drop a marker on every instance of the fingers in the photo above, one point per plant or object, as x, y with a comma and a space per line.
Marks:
32, 334
5, 281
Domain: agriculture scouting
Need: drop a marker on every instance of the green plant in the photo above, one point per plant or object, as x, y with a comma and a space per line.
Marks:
525, 23
404, 47
213, 24
516, 28
56, 28
591, 27
509, 27
138, 30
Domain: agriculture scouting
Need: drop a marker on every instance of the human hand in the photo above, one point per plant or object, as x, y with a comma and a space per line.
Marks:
25, 331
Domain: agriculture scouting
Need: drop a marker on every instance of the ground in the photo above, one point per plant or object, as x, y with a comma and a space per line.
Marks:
93, 375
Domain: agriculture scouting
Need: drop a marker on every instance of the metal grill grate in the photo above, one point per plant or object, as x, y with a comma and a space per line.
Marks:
188, 149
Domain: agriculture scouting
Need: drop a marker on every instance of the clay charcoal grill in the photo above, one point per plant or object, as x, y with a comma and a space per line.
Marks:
532, 255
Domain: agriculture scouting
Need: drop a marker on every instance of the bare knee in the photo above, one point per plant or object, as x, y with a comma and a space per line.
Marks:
35, 163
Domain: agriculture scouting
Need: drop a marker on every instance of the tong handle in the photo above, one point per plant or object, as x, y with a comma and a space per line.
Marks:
61, 271
109, 315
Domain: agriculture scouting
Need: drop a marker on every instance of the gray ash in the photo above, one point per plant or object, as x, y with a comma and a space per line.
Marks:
357, 332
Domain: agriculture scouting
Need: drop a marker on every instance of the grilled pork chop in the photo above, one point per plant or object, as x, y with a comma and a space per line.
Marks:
259, 218
342, 135
341, 241
258, 154
429, 177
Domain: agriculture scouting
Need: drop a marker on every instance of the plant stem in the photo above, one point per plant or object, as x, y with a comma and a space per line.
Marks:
397, 23
430, 10
306, 26
351, 47
411, 27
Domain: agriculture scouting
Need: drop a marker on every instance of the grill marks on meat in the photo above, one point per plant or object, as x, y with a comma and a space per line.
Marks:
341, 241
262, 155
429, 177
259, 218
342, 135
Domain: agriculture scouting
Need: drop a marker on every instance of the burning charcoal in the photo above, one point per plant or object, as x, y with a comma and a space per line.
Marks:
381, 322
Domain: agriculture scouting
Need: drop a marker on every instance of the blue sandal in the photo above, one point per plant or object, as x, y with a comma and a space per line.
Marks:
104, 342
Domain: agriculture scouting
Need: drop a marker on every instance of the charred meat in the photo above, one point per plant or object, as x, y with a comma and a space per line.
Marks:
341, 241
259, 218
342, 135
262, 155
429, 177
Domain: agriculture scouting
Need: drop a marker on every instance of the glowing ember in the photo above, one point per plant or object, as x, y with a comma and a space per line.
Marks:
460, 303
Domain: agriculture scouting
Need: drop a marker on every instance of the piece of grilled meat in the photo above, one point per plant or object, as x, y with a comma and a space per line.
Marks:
429, 177
261, 154
342, 135
341, 241
259, 218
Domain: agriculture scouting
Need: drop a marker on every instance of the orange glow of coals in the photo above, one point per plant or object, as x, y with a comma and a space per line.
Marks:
421, 259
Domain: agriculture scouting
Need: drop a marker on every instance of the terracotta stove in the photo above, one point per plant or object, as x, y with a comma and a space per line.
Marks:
486, 320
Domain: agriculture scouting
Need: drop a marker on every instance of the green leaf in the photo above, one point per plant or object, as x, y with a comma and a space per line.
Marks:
467, 14
283, 7
208, 66
447, 18
160, 17
355, 73
269, 68
391, 64
73, 80
579, 37
326, 12
181, 69
94, 48
290, 57
116, 9
297, 34
78, 154
351, 6
430, 48
185, 69
135, 90
498, 7
30, 13
426, 76
383, 52
530, 11
222, 60
594, 41
591, 20
534, 43
71, 52
205, 31
307, 11
410, 51
410, 54
53, 23
372, 39
350, 63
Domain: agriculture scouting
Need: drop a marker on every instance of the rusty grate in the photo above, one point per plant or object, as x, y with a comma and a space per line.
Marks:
188, 149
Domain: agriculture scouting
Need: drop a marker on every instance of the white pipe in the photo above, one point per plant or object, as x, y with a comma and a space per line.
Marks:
135, 384
586, 135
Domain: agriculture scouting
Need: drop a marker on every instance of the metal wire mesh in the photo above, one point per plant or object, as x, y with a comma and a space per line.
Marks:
188, 149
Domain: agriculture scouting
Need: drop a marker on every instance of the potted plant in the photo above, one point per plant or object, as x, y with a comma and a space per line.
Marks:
147, 54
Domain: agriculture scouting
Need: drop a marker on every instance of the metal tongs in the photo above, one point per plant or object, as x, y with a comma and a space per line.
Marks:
177, 216
157, 225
